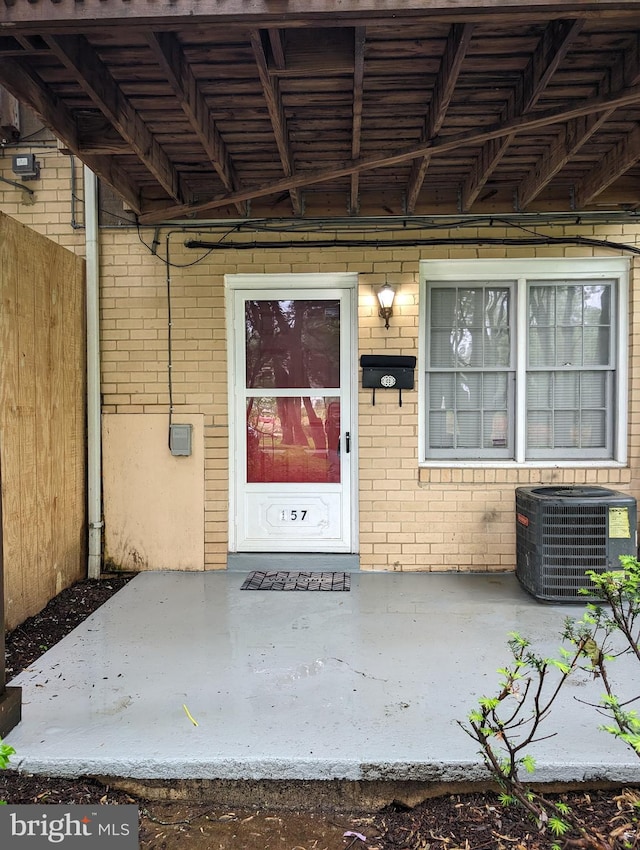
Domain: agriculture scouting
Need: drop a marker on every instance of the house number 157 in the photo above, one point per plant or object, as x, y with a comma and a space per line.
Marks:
293, 516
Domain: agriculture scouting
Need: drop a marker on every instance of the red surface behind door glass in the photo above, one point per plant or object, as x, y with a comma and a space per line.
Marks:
293, 345
293, 440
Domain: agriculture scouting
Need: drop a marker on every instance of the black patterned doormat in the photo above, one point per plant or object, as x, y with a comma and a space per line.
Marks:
282, 580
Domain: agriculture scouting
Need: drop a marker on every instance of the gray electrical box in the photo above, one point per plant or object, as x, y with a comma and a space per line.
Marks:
180, 440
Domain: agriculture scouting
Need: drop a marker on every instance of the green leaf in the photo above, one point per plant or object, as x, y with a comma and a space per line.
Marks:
558, 826
529, 763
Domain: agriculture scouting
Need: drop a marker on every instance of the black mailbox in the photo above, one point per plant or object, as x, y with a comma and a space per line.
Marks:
387, 372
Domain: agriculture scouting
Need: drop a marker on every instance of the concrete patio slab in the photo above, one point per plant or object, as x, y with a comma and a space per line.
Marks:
359, 685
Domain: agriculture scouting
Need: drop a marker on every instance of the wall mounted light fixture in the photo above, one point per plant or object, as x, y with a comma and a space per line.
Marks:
386, 294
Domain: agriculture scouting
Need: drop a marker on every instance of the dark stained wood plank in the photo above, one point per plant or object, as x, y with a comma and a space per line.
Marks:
433, 146
356, 130
75, 53
551, 50
576, 133
186, 88
19, 79
273, 99
455, 50
618, 160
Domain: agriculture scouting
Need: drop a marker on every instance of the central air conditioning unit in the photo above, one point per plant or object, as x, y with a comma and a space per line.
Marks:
561, 532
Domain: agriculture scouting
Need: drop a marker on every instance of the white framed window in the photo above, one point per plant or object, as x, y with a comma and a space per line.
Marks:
523, 361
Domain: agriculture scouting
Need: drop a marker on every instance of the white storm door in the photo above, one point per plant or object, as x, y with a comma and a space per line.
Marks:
293, 446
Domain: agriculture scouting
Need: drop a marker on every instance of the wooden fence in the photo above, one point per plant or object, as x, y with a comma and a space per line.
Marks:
42, 418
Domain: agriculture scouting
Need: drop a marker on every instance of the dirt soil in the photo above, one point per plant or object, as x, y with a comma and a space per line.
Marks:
453, 822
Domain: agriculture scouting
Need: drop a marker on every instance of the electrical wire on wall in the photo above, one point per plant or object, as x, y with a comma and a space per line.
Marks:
380, 233
374, 227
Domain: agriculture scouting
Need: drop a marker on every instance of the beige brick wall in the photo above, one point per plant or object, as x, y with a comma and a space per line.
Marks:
411, 518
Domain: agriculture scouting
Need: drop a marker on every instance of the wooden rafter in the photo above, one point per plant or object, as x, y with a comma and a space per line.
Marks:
617, 161
455, 49
576, 133
356, 130
624, 97
277, 48
170, 55
573, 136
551, 50
93, 76
271, 90
20, 80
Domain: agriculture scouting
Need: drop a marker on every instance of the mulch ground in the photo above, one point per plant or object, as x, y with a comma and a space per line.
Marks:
453, 822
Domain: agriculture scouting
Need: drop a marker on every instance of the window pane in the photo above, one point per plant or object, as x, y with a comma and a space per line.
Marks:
469, 390
542, 347
569, 347
441, 391
597, 304
569, 305
593, 431
443, 307
566, 429
566, 389
496, 429
542, 306
442, 349
468, 430
539, 390
441, 429
497, 348
293, 440
495, 390
292, 343
596, 346
539, 432
593, 389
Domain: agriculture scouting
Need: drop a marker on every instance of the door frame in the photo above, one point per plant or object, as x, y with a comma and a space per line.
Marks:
331, 280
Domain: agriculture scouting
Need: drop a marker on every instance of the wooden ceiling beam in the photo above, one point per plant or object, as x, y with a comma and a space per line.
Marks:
549, 53
170, 55
626, 97
298, 11
572, 137
277, 49
93, 76
617, 161
578, 131
19, 79
455, 50
273, 98
356, 129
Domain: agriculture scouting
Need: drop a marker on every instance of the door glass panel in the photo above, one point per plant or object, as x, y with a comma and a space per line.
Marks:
292, 344
293, 440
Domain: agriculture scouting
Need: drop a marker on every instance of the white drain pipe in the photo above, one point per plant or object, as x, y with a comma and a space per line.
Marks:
94, 448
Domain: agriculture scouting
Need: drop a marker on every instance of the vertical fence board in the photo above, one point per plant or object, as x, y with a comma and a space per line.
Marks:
9, 419
28, 271
44, 446
42, 419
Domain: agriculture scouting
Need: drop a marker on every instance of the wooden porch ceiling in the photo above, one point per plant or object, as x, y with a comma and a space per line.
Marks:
229, 109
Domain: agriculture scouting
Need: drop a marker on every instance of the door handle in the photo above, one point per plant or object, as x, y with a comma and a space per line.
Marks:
347, 442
